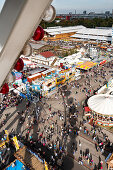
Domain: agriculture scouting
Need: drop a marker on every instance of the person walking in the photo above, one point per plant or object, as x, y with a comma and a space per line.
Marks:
79, 143
96, 147
50, 107
80, 152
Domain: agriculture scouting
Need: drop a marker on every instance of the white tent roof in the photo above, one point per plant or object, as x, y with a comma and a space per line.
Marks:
34, 75
102, 104
94, 31
93, 37
60, 30
94, 34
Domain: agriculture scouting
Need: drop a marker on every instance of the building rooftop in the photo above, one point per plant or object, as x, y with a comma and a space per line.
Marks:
95, 31
93, 37
17, 165
28, 159
47, 54
94, 34
61, 30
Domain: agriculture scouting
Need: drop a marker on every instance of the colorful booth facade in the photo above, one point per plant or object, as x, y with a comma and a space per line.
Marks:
48, 85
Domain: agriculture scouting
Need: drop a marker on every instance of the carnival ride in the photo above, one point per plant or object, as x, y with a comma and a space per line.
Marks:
102, 109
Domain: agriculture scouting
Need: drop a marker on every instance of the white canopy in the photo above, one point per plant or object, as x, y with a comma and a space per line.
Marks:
93, 37
102, 104
95, 31
62, 30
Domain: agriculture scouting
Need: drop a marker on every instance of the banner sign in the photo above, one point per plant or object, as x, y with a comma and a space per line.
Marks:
18, 75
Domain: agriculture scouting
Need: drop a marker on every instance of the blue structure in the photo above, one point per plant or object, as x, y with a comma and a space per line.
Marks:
22, 95
17, 165
28, 92
18, 75
35, 87
108, 157
24, 80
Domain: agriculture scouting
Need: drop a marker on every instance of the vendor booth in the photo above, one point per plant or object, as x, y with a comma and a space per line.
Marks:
49, 85
48, 72
60, 80
34, 77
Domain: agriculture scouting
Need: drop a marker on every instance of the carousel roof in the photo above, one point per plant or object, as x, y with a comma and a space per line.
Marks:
102, 104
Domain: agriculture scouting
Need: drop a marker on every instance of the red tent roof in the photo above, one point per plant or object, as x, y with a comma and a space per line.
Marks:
47, 54
87, 109
104, 61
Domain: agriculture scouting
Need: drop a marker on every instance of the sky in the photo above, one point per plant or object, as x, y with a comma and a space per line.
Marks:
1, 4
67, 6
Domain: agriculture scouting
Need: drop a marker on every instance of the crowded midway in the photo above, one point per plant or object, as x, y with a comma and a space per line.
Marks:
60, 125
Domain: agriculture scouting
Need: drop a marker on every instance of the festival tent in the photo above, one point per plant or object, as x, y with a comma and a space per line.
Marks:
86, 65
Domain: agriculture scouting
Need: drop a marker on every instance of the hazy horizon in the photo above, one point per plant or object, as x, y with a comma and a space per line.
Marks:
66, 11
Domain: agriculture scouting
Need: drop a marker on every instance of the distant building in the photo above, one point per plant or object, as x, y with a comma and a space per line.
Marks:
46, 58
107, 13
84, 12
61, 32
59, 17
80, 32
91, 15
95, 34
70, 13
68, 18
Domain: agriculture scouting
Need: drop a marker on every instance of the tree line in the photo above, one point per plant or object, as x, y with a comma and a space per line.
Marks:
89, 23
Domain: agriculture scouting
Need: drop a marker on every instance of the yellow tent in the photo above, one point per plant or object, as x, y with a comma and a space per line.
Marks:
46, 166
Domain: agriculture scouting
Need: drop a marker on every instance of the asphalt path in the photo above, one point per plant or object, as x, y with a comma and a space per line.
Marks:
71, 164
